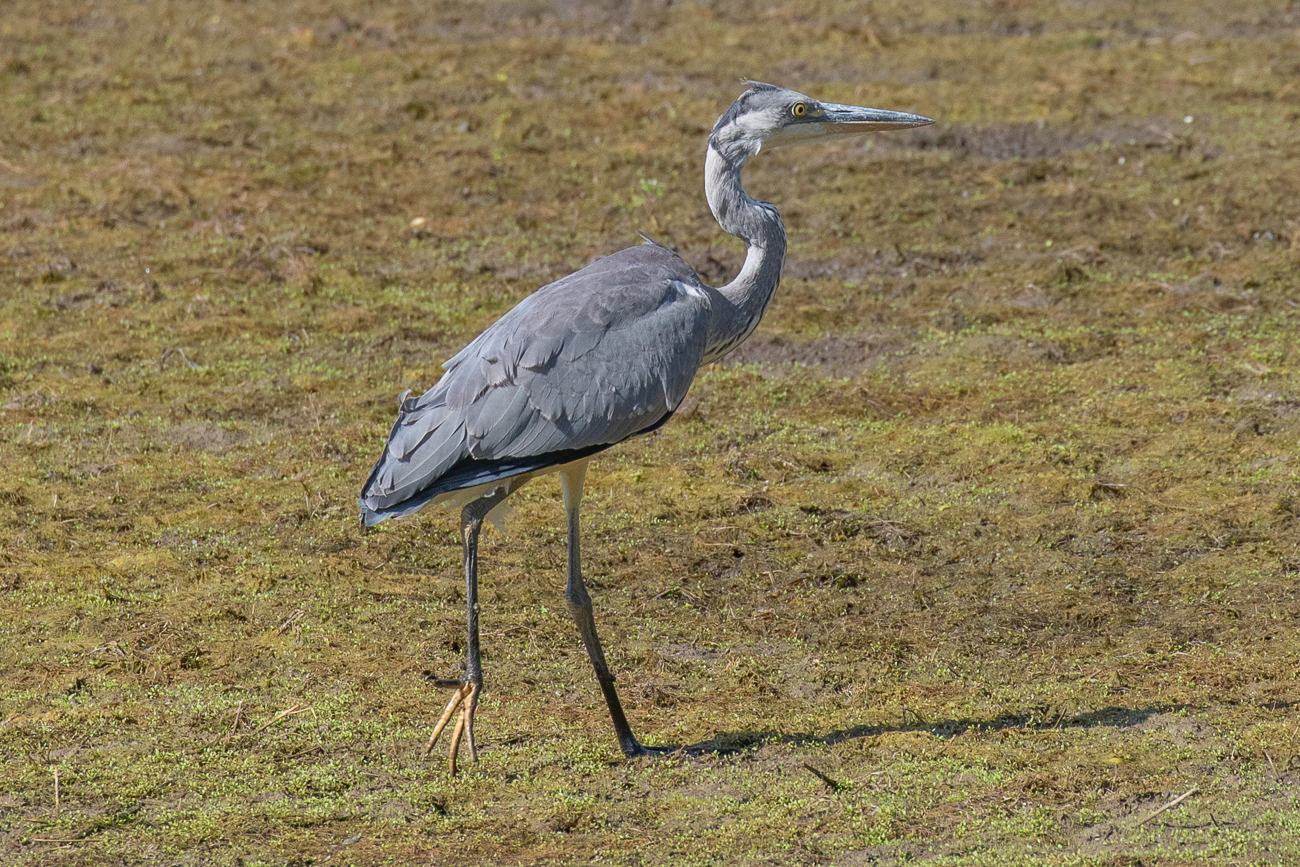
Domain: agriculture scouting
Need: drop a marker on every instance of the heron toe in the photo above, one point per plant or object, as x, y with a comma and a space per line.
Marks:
465, 698
652, 752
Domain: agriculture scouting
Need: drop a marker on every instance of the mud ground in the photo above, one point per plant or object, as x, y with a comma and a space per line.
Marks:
981, 551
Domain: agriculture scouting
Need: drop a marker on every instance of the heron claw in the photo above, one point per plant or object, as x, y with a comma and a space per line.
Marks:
465, 698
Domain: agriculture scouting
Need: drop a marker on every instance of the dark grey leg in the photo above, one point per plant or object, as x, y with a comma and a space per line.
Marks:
579, 602
467, 688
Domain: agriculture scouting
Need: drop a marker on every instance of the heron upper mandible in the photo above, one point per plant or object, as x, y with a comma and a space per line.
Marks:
597, 357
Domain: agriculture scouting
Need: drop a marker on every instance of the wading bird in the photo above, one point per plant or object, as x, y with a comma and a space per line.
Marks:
597, 357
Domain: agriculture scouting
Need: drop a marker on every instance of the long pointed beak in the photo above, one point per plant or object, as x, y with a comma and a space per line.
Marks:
844, 119
838, 120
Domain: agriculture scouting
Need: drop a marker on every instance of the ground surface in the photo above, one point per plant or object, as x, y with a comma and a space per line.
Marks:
982, 550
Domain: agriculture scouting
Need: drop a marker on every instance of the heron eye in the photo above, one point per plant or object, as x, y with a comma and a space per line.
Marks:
798, 109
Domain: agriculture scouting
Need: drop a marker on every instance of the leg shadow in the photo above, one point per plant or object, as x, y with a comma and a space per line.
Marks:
730, 743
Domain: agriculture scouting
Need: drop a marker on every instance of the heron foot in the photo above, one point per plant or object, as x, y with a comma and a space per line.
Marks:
465, 698
635, 750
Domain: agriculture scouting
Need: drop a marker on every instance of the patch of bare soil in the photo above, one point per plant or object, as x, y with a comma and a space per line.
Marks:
839, 354
206, 437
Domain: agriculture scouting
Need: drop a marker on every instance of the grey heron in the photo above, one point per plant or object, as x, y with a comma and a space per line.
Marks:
597, 357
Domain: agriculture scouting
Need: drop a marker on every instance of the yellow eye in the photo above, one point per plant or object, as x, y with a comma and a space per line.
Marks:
798, 109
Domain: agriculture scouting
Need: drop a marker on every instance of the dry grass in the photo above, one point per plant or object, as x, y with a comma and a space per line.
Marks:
983, 550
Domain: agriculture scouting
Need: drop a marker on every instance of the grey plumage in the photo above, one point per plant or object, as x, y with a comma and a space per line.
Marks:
588, 361
551, 376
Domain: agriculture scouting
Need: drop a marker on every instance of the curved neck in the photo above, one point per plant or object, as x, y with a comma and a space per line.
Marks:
759, 226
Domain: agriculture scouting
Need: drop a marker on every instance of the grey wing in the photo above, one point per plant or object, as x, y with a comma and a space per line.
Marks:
588, 361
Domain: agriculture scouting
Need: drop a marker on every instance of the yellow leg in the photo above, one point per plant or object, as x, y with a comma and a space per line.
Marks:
464, 698
456, 699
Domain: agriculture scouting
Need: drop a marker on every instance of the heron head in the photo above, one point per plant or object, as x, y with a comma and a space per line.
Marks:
771, 116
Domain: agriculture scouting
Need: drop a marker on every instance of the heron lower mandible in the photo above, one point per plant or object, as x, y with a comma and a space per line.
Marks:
597, 357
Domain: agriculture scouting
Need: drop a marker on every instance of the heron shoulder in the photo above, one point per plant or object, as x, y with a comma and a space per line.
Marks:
620, 291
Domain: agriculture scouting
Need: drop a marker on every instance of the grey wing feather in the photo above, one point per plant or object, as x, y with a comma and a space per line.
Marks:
585, 362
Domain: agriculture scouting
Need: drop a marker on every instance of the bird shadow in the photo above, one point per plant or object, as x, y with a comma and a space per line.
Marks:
731, 743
